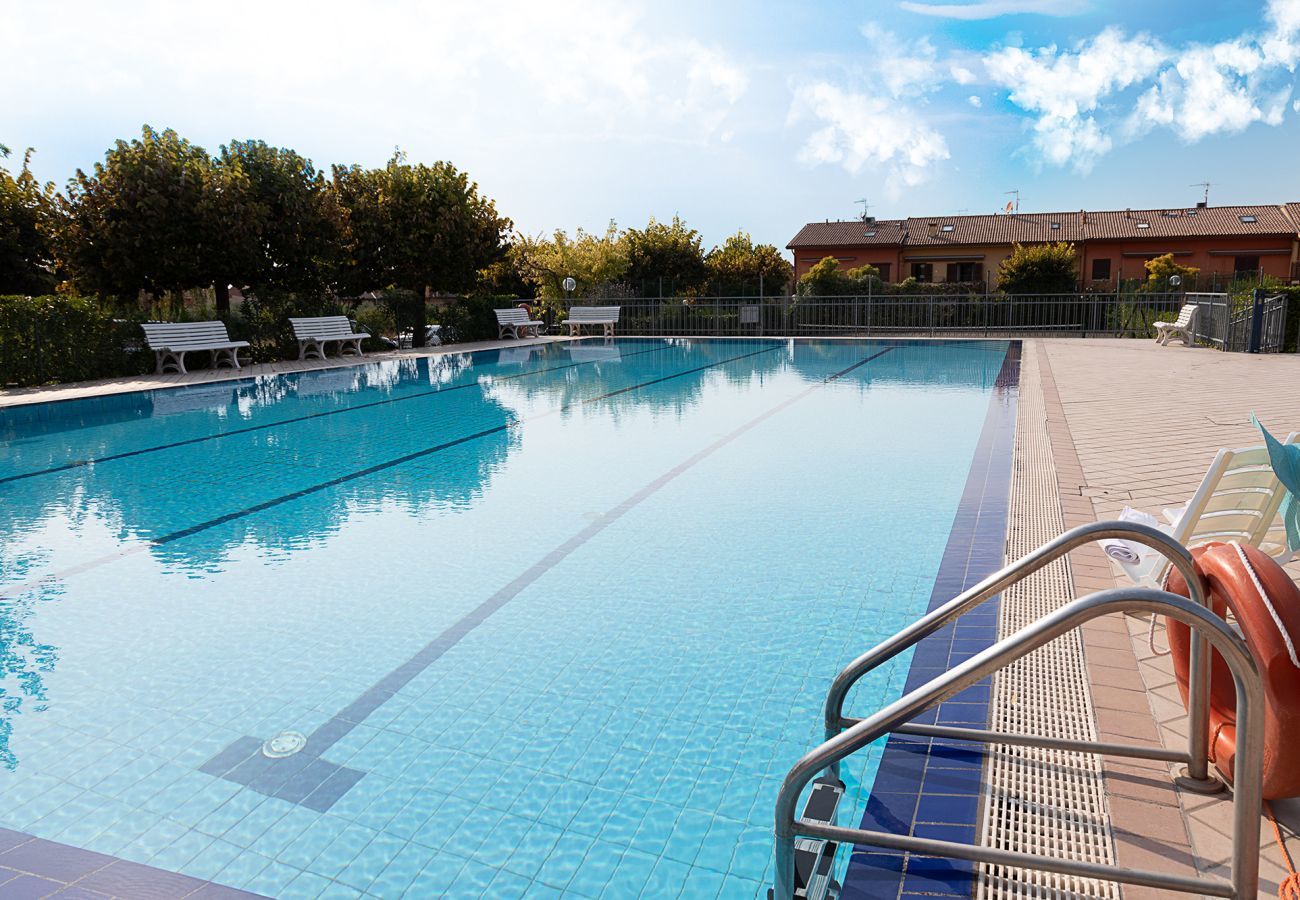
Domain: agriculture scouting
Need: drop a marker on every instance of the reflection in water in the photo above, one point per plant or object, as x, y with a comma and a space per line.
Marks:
281, 463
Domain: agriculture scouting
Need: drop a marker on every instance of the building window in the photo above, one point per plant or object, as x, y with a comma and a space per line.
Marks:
1101, 270
1245, 265
1247, 220
966, 271
947, 228
1056, 226
923, 272
870, 233
1144, 225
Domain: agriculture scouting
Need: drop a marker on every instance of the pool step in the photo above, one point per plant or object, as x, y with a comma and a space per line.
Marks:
814, 858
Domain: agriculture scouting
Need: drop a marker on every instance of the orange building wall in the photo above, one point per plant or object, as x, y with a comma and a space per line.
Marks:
1188, 252
850, 258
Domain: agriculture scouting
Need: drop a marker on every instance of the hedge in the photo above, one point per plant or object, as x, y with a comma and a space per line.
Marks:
61, 338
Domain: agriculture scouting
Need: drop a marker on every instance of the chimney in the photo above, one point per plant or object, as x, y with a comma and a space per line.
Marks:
1128, 213
1083, 217
1201, 204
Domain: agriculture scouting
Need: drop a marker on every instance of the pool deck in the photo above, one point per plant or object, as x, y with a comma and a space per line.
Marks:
1135, 424
1128, 423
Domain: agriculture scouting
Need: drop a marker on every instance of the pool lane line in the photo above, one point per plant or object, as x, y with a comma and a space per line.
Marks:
329, 412
78, 569
318, 783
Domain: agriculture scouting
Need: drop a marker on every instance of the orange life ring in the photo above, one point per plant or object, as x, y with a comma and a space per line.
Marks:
1266, 603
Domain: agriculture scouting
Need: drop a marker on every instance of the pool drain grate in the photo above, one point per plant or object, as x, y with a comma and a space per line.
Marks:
286, 743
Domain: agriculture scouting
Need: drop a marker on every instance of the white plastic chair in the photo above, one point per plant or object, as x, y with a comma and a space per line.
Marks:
1181, 328
1238, 500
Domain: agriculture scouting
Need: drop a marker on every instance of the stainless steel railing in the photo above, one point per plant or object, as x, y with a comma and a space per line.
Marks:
845, 735
1197, 756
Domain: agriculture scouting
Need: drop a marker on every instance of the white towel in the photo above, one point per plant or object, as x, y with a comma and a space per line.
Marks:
1129, 553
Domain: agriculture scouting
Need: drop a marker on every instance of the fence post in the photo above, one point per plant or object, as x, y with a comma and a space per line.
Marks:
1256, 320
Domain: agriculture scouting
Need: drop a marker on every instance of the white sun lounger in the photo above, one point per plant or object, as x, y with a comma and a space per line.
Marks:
1181, 328
604, 316
1238, 500
315, 334
515, 322
170, 341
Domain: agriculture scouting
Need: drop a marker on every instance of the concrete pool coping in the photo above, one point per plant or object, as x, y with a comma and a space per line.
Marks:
104, 387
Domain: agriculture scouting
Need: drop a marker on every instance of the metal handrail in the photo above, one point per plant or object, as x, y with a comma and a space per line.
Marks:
1248, 762
1197, 756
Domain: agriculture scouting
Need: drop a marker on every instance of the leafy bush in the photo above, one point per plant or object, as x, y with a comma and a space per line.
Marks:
1161, 269
61, 338
378, 321
826, 280
263, 321
1039, 269
471, 319
1291, 340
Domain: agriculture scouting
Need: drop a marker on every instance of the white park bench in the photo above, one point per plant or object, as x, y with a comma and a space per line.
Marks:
314, 334
515, 322
604, 316
1181, 329
170, 341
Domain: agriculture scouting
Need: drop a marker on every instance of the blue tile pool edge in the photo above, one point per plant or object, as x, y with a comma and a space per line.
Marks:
932, 788
35, 867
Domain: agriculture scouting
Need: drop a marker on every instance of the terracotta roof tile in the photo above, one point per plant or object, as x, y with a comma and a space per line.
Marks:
932, 231
848, 234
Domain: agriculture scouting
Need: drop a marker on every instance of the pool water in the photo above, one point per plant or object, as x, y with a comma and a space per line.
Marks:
552, 619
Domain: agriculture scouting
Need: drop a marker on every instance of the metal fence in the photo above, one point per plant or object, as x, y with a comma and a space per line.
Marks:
1250, 323
1076, 315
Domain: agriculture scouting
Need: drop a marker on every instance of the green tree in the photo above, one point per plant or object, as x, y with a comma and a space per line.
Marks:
825, 279
740, 266
419, 229
594, 261
155, 216
1161, 269
27, 215
665, 257
294, 230
1039, 269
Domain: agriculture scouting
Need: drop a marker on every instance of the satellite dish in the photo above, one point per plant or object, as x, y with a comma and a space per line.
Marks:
570, 284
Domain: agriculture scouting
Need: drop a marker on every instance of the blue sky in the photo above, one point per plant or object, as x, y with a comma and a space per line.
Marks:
734, 115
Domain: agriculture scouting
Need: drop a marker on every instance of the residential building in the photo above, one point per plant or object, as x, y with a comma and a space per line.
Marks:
1221, 241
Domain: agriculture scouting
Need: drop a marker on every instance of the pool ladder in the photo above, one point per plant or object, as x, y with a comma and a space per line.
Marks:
805, 844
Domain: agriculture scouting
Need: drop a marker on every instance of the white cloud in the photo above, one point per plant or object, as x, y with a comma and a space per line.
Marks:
1227, 86
863, 130
1064, 89
992, 9
975, 101
1081, 108
453, 65
906, 68
962, 75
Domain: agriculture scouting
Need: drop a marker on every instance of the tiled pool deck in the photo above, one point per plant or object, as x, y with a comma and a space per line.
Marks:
1130, 423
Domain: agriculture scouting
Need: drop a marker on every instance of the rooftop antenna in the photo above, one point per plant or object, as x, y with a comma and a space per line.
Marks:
1206, 185
865, 206
1013, 207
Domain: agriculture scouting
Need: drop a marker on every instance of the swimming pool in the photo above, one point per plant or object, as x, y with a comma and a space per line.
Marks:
552, 619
